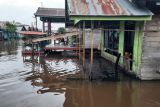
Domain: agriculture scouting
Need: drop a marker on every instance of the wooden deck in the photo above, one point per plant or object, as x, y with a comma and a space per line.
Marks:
63, 48
29, 53
54, 37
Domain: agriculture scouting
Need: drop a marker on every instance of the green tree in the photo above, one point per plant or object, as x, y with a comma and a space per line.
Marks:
10, 27
61, 30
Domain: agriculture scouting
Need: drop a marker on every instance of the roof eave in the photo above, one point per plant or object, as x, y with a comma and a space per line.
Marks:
110, 18
49, 16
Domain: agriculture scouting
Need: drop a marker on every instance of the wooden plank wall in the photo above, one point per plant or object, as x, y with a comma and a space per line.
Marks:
150, 66
96, 37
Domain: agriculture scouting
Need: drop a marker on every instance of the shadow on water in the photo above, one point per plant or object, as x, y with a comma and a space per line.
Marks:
63, 65
60, 81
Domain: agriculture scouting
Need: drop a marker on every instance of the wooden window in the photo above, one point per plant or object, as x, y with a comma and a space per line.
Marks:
111, 38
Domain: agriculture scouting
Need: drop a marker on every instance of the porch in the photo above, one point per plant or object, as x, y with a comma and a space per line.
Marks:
121, 31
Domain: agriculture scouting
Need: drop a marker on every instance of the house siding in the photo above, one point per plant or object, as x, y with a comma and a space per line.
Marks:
150, 66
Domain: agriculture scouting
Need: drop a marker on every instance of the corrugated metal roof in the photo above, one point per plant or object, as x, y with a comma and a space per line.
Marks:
50, 12
32, 33
106, 8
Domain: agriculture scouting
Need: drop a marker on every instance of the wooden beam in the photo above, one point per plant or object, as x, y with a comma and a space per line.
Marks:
111, 18
54, 37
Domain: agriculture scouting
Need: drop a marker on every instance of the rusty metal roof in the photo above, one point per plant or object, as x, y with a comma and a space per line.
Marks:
105, 8
32, 33
50, 12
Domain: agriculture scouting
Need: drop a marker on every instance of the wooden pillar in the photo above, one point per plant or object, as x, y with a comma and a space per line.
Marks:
77, 45
91, 55
121, 40
43, 26
84, 56
79, 42
137, 50
32, 49
92, 42
49, 28
36, 24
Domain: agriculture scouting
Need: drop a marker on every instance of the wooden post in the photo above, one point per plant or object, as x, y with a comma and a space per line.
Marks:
36, 23
84, 43
32, 49
77, 45
116, 65
49, 28
92, 42
79, 42
43, 25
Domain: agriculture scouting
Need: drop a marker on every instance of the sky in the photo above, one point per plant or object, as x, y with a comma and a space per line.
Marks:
23, 10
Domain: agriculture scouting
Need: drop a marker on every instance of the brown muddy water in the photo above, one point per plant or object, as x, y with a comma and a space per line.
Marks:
60, 82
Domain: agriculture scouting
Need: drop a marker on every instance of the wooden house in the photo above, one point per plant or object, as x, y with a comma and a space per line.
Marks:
125, 27
58, 15
49, 16
150, 61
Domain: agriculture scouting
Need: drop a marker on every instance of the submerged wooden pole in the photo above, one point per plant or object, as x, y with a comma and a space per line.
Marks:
79, 42
84, 56
32, 49
91, 55
116, 65
92, 42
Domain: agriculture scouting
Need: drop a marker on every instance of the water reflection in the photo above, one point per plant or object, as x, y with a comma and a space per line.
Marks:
27, 81
8, 47
54, 79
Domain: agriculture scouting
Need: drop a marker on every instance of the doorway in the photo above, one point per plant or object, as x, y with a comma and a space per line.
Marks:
129, 34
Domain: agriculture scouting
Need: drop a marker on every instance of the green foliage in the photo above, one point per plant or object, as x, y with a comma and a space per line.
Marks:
61, 30
10, 27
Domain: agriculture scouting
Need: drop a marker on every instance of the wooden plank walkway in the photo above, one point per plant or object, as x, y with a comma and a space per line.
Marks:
61, 48
54, 37
29, 53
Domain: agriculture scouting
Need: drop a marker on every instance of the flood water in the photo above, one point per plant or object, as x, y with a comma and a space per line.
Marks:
54, 81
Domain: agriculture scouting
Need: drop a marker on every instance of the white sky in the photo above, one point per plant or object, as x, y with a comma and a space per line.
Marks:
23, 10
